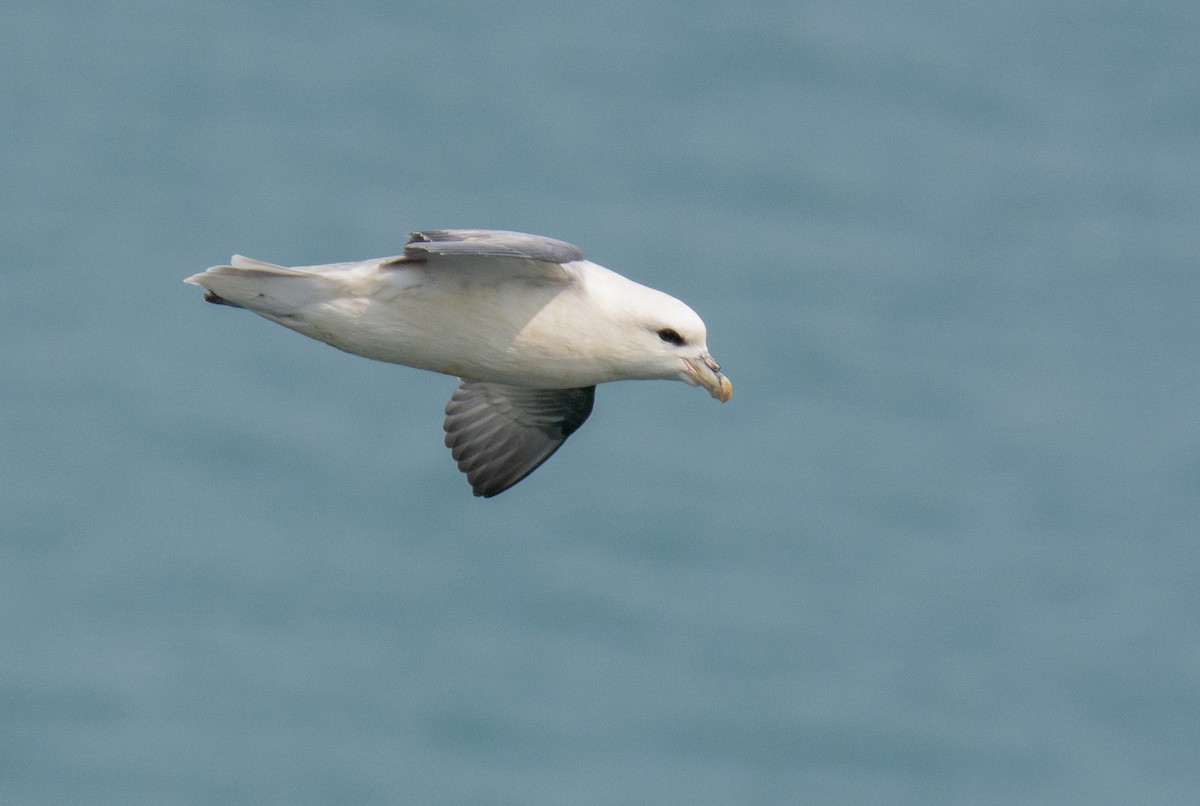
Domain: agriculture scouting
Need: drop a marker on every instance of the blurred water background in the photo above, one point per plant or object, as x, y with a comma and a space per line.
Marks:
941, 547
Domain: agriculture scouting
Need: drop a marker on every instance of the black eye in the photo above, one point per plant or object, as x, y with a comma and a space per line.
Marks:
670, 336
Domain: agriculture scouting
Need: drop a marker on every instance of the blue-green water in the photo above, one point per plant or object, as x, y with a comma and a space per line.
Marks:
941, 547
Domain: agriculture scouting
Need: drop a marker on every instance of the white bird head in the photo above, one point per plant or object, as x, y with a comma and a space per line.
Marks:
655, 335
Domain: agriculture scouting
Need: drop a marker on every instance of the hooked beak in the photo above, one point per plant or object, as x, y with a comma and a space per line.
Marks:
703, 371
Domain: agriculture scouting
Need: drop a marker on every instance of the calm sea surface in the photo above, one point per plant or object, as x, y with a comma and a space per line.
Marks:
943, 545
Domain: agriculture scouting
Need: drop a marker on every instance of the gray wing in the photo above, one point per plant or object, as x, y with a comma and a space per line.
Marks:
499, 434
489, 243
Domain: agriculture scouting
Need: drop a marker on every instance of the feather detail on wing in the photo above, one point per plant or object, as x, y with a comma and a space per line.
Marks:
499, 434
490, 243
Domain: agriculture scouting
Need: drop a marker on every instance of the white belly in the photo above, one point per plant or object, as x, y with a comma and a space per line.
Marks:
505, 333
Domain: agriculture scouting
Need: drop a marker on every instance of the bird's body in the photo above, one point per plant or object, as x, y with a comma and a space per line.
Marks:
528, 323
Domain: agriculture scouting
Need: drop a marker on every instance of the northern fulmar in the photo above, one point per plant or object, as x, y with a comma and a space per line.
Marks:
527, 324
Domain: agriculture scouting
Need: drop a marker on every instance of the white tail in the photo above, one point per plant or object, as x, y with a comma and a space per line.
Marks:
261, 287
243, 262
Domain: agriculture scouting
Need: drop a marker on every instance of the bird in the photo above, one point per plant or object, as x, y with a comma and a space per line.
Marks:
527, 324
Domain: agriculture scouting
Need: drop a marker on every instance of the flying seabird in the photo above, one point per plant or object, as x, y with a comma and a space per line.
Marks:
527, 324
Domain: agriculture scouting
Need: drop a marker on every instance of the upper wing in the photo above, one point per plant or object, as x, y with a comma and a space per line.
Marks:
499, 434
489, 243
515, 254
